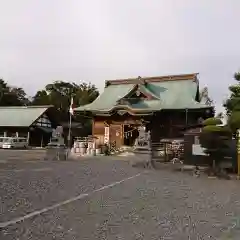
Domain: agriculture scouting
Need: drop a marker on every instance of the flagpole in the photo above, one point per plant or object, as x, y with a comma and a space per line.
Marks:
69, 130
70, 123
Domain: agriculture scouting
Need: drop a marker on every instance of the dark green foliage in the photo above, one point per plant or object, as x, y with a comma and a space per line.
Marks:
212, 121
12, 96
215, 140
233, 103
59, 94
234, 120
41, 98
211, 128
237, 76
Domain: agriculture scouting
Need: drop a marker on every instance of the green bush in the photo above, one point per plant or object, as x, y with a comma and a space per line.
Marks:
222, 129
211, 128
215, 140
212, 121
234, 121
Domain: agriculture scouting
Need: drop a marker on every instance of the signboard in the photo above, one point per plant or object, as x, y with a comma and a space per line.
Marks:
198, 150
106, 135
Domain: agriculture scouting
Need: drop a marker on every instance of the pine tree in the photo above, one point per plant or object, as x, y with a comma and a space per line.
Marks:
232, 105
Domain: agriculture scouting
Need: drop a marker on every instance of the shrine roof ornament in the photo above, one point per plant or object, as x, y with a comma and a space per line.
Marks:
141, 80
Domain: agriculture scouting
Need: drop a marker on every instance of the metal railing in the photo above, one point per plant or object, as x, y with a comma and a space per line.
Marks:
165, 151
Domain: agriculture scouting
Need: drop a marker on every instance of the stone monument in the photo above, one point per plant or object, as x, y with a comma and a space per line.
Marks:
142, 148
143, 139
57, 135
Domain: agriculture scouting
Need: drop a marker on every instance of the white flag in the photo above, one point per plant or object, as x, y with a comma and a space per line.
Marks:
71, 107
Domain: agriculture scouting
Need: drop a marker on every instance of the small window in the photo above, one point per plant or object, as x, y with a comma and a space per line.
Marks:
196, 140
7, 140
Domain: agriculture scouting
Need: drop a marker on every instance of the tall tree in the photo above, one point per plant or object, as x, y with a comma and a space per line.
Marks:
41, 98
12, 96
4, 89
59, 94
85, 94
232, 105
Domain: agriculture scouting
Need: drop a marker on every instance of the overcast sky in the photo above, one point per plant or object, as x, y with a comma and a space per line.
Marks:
94, 40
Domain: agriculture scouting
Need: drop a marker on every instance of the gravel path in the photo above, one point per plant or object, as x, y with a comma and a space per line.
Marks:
155, 205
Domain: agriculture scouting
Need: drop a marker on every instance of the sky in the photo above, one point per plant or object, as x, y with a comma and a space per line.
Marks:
96, 40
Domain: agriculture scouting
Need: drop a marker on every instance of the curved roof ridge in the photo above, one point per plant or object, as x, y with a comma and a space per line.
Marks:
177, 77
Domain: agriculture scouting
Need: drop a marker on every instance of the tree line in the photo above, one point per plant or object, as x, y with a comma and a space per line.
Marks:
58, 94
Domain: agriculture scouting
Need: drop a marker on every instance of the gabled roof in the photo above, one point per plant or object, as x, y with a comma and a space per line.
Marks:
170, 92
21, 116
142, 88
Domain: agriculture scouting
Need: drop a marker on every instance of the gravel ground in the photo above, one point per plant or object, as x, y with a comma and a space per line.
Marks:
30, 186
155, 205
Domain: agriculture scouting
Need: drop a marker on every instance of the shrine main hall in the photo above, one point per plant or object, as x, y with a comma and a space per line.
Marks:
165, 105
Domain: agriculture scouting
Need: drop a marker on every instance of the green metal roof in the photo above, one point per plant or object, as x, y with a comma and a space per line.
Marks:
179, 94
20, 116
108, 99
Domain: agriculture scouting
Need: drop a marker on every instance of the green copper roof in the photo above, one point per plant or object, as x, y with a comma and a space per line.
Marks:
108, 99
178, 94
20, 116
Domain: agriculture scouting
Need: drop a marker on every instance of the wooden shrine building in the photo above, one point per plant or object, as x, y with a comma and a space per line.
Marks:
33, 122
36, 123
165, 104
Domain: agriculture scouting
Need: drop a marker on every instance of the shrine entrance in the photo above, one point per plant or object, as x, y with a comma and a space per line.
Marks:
130, 133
